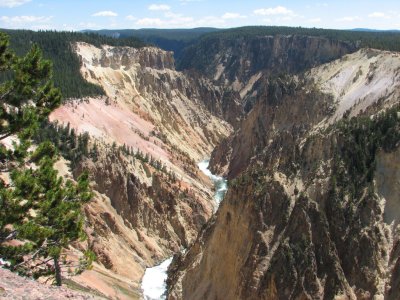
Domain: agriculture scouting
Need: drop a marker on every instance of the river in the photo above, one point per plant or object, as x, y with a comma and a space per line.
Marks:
220, 183
153, 282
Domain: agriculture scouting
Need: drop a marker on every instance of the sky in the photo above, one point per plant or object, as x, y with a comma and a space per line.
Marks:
74, 15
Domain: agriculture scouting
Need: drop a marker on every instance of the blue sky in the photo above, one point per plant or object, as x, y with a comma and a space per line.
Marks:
100, 14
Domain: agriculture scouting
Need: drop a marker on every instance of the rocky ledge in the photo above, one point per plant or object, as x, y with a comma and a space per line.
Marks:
15, 287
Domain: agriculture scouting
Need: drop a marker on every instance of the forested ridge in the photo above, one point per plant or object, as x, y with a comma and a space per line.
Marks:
383, 40
175, 40
57, 46
200, 55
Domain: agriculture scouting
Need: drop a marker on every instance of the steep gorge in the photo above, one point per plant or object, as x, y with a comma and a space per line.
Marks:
307, 214
279, 233
241, 64
306, 128
149, 132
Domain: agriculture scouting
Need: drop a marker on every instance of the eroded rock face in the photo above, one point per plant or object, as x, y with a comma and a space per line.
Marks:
240, 65
141, 214
148, 201
293, 225
148, 85
137, 218
240, 58
387, 180
127, 57
284, 105
347, 87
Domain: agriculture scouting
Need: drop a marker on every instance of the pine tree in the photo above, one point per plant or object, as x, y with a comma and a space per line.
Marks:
56, 221
37, 208
94, 152
29, 96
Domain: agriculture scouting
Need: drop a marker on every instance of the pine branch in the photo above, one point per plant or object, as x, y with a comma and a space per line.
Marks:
33, 256
5, 95
9, 237
6, 135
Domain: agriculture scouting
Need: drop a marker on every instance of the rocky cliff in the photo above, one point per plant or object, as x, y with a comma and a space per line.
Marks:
231, 59
238, 64
138, 217
308, 213
145, 83
149, 132
319, 97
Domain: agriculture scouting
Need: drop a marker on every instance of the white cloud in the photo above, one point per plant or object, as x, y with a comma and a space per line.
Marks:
131, 18
284, 19
170, 14
162, 7
150, 22
209, 21
180, 21
88, 25
229, 15
349, 19
13, 3
24, 19
175, 20
377, 15
105, 13
31, 22
42, 27
67, 27
275, 11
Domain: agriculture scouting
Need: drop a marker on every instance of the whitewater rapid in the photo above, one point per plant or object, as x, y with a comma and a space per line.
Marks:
153, 283
220, 183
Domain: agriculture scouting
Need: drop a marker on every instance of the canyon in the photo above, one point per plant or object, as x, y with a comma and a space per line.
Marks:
300, 219
141, 214
278, 234
305, 128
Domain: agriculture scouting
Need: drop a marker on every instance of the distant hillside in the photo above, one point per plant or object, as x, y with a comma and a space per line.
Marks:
198, 55
56, 46
383, 40
167, 39
375, 30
